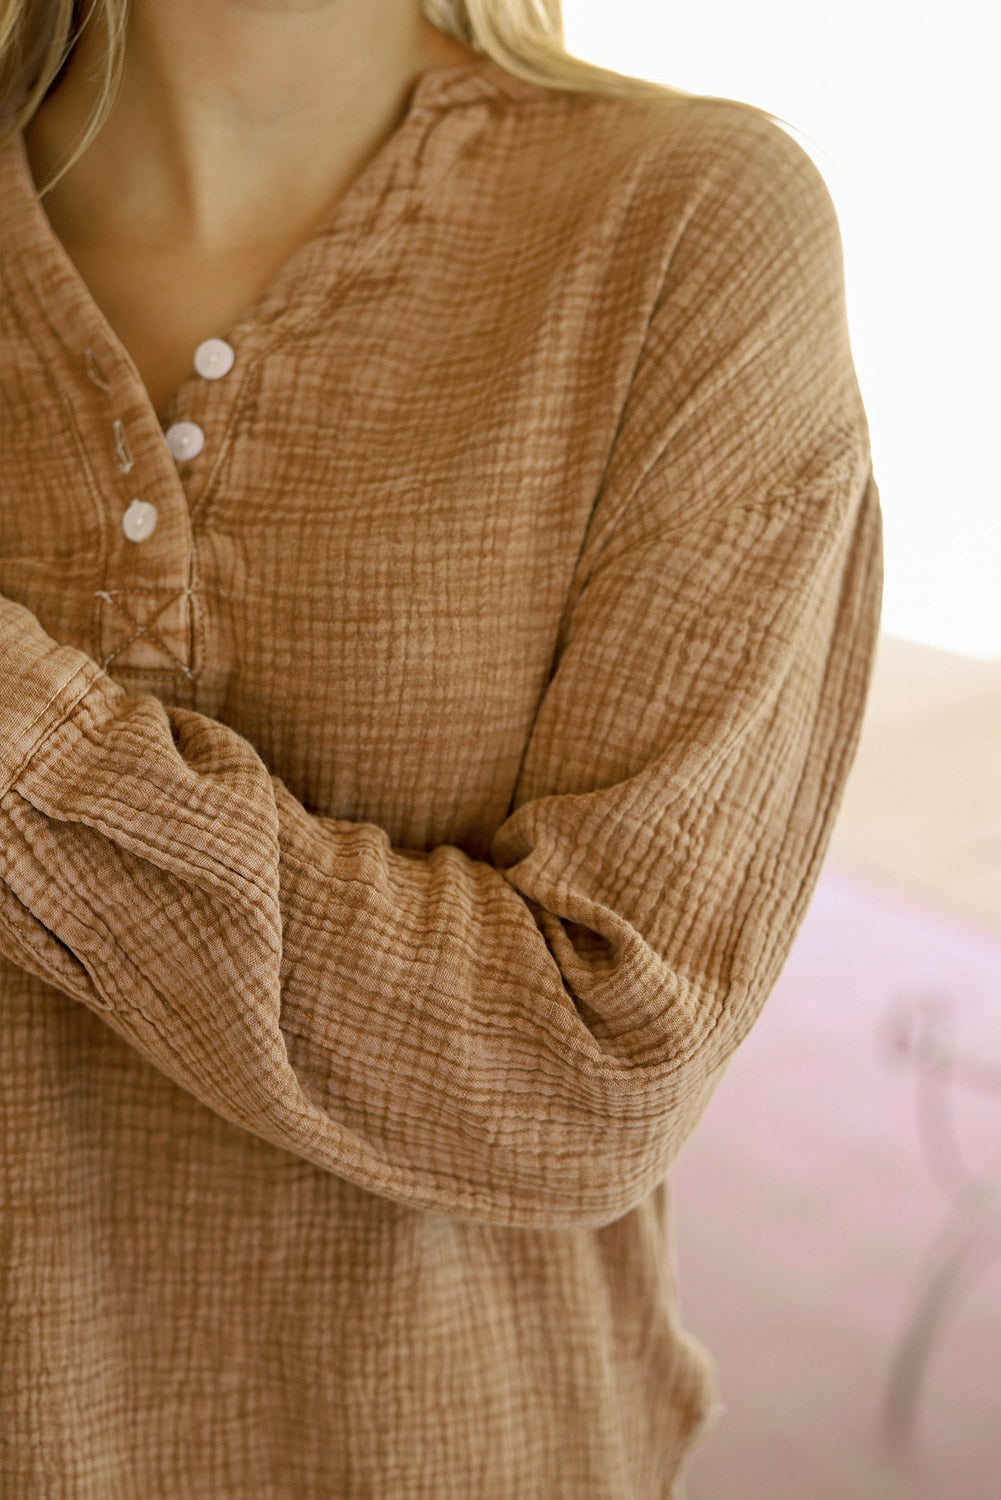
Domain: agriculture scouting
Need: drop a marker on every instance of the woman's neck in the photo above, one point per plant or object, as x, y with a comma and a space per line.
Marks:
238, 121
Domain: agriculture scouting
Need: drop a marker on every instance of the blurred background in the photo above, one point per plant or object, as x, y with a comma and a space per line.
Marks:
838, 1209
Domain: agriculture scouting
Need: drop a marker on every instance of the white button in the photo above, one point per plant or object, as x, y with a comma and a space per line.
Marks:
139, 521
185, 440
214, 358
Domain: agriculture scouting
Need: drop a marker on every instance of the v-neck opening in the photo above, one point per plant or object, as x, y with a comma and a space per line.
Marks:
374, 203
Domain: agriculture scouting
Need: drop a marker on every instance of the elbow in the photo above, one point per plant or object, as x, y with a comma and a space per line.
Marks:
615, 1165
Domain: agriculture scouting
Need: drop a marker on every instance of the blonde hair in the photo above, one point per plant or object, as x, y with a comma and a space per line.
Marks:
525, 37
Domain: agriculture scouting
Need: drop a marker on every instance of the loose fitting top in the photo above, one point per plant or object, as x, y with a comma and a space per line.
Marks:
415, 764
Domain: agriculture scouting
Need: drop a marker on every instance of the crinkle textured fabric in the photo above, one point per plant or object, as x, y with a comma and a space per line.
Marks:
398, 842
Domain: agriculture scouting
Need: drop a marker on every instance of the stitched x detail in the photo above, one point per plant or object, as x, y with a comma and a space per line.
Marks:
142, 626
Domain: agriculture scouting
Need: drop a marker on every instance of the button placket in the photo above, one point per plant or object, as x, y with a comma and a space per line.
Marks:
147, 609
185, 440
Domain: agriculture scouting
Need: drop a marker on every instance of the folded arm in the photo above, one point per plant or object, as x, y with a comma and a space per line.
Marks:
528, 1039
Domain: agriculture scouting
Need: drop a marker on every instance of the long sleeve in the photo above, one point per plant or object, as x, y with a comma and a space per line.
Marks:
528, 1039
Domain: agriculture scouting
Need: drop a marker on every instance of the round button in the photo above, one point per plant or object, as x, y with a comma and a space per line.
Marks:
214, 358
139, 521
185, 440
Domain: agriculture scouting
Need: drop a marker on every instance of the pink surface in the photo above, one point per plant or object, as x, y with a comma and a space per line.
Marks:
808, 1220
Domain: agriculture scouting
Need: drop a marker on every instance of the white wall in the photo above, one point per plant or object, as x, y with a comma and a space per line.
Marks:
901, 107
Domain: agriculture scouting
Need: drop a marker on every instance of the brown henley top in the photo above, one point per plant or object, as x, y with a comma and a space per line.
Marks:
401, 828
